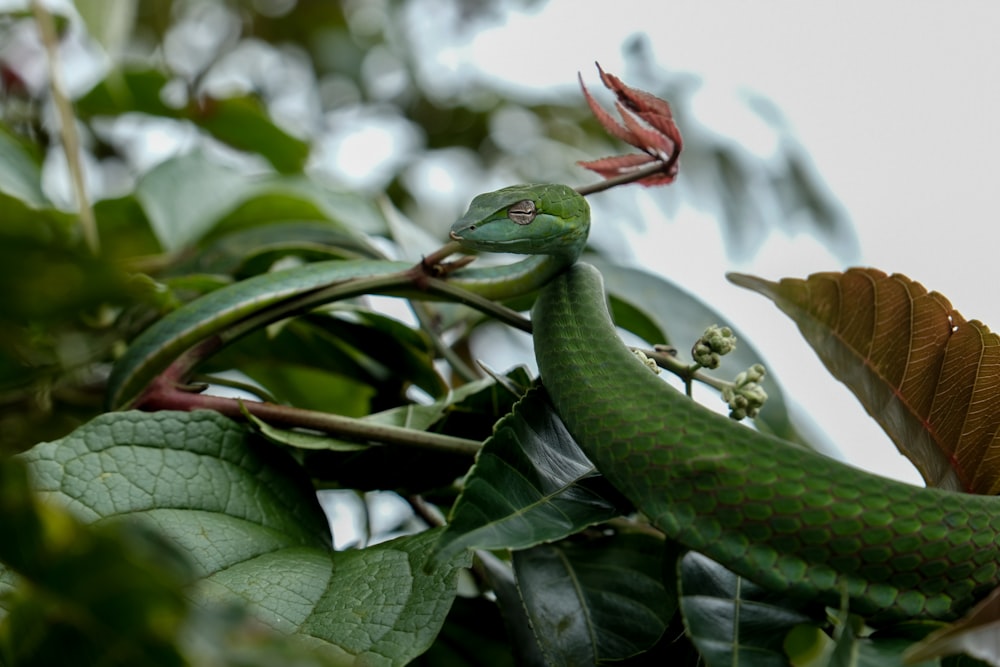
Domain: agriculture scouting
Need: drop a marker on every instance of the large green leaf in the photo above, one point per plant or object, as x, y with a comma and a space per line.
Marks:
251, 525
730, 619
929, 377
595, 601
185, 196
531, 484
189, 196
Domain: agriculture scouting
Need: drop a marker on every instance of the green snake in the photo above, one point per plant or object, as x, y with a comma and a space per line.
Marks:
784, 517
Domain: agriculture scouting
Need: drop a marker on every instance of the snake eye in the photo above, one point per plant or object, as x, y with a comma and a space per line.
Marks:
523, 212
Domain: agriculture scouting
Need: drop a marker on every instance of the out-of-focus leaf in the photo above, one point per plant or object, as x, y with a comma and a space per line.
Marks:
25, 211
326, 362
123, 229
925, 374
311, 388
683, 318
253, 250
595, 601
185, 196
531, 484
263, 542
241, 122
298, 198
628, 317
46, 282
192, 196
731, 620
110, 595
20, 172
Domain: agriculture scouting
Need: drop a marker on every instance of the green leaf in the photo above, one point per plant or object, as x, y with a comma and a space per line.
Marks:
298, 198
25, 211
250, 522
241, 122
111, 595
730, 619
531, 484
246, 252
185, 196
124, 230
46, 282
20, 172
595, 601
189, 196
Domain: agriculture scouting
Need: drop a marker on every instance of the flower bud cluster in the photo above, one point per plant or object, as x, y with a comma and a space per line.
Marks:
715, 342
746, 396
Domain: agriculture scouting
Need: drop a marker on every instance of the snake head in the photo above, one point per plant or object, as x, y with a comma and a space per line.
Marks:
526, 219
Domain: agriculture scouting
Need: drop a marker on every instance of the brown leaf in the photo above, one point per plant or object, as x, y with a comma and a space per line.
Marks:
647, 123
928, 376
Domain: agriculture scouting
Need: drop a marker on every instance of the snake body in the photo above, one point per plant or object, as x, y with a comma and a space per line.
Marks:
789, 519
786, 518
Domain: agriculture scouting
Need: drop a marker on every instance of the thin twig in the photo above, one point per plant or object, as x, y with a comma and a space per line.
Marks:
630, 177
67, 126
167, 397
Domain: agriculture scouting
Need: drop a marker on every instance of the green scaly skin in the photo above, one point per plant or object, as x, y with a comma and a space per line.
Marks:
215, 313
787, 518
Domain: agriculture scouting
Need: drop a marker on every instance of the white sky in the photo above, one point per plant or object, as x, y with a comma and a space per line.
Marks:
895, 101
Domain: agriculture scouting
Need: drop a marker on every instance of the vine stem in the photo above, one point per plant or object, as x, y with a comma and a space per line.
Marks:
169, 395
67, 126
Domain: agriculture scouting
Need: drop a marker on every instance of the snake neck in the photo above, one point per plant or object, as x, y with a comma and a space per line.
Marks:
548, 223
512, 280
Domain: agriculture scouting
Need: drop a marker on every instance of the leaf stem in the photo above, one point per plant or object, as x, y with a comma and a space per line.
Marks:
687, 373
67, 126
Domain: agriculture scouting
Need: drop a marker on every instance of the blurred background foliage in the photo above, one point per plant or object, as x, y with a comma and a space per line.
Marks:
203, 120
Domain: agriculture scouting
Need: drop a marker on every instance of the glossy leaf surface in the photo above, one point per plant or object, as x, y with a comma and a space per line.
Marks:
252, 527
597, 601
531, 484
731, 620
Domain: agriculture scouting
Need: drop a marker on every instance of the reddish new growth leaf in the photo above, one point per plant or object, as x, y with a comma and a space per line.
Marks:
647, 123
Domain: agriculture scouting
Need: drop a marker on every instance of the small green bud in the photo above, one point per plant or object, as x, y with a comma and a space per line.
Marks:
745, 396
715, 342
650, 364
